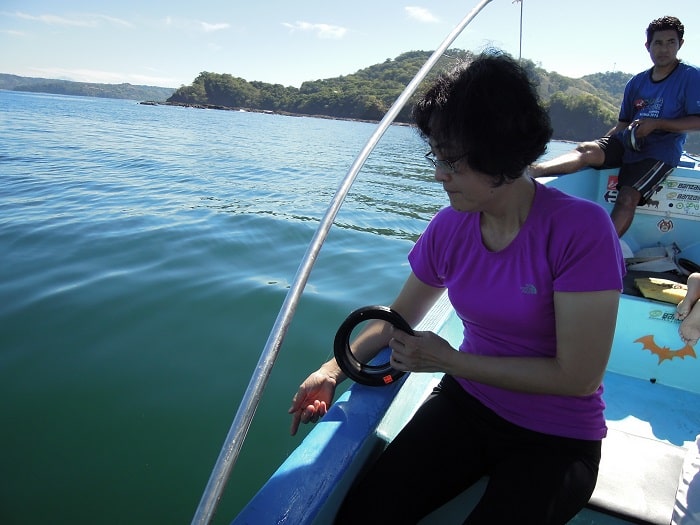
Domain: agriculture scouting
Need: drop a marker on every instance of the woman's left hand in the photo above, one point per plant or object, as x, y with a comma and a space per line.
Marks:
422, 352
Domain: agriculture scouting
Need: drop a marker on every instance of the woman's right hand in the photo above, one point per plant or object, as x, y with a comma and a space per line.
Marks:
313, 399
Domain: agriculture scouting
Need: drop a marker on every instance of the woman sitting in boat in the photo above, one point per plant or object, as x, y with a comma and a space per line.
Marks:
536, 276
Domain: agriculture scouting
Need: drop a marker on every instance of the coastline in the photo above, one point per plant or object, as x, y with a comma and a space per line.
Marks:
263, 111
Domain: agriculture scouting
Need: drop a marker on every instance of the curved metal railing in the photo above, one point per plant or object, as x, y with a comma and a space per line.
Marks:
246, 410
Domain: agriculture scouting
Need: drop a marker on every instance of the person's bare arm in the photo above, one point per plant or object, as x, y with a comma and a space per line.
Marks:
646, 126
585, 324
315, 394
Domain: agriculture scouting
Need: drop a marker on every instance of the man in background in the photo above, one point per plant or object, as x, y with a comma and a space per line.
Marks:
658, 108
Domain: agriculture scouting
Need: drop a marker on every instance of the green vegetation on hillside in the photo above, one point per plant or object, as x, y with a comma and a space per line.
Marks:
580, 107
364, 95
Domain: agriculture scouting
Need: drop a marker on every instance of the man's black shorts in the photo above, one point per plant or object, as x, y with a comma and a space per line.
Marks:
645, 176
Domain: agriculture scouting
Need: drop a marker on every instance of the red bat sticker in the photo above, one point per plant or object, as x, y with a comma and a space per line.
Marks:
664, 352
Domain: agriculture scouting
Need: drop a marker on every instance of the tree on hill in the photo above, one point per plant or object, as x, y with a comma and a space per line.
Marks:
579, 116
610, 84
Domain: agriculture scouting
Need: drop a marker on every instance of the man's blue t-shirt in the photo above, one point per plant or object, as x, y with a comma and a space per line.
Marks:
677, 95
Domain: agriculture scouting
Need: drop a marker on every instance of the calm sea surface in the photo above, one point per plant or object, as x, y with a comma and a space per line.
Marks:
145, 253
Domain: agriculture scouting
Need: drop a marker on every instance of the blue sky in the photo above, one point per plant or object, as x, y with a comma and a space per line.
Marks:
166, 43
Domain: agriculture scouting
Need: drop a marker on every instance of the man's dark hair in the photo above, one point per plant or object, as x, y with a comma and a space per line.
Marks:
488, 109
665, 23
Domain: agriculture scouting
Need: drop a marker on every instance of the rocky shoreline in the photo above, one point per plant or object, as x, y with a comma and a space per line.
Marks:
251, 110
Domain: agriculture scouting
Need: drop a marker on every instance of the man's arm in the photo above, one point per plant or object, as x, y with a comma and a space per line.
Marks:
675, 125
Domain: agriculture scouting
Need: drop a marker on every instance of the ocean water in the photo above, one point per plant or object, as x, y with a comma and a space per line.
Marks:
145, 253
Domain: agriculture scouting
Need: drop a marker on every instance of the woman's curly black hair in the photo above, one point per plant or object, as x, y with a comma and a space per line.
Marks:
489, 110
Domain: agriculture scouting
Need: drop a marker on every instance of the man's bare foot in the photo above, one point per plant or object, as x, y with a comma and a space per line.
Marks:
690, 327
691, 297
683, 309
688, 311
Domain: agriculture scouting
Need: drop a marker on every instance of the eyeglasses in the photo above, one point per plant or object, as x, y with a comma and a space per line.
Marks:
447, 165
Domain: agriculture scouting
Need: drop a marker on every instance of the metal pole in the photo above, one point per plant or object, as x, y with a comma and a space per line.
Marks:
520, 54
244, 416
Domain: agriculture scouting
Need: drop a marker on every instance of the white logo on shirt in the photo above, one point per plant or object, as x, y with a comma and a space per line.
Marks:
529, 289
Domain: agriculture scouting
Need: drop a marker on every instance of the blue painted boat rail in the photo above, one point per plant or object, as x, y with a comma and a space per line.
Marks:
244, 416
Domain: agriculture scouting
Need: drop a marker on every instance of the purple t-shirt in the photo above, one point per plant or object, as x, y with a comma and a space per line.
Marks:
505, 299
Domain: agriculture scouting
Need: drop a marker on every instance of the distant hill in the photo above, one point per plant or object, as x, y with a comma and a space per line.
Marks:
580, 108
84, 89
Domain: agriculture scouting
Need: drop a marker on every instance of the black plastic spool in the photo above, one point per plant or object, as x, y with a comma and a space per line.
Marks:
365, 374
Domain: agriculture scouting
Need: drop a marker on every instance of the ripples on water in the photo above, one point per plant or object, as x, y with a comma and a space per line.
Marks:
146, 252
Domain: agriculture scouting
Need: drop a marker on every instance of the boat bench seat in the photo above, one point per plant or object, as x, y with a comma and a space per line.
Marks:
638, 476
650, 464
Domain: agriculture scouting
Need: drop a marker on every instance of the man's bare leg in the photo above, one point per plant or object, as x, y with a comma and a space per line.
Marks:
586, 154
625, 207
